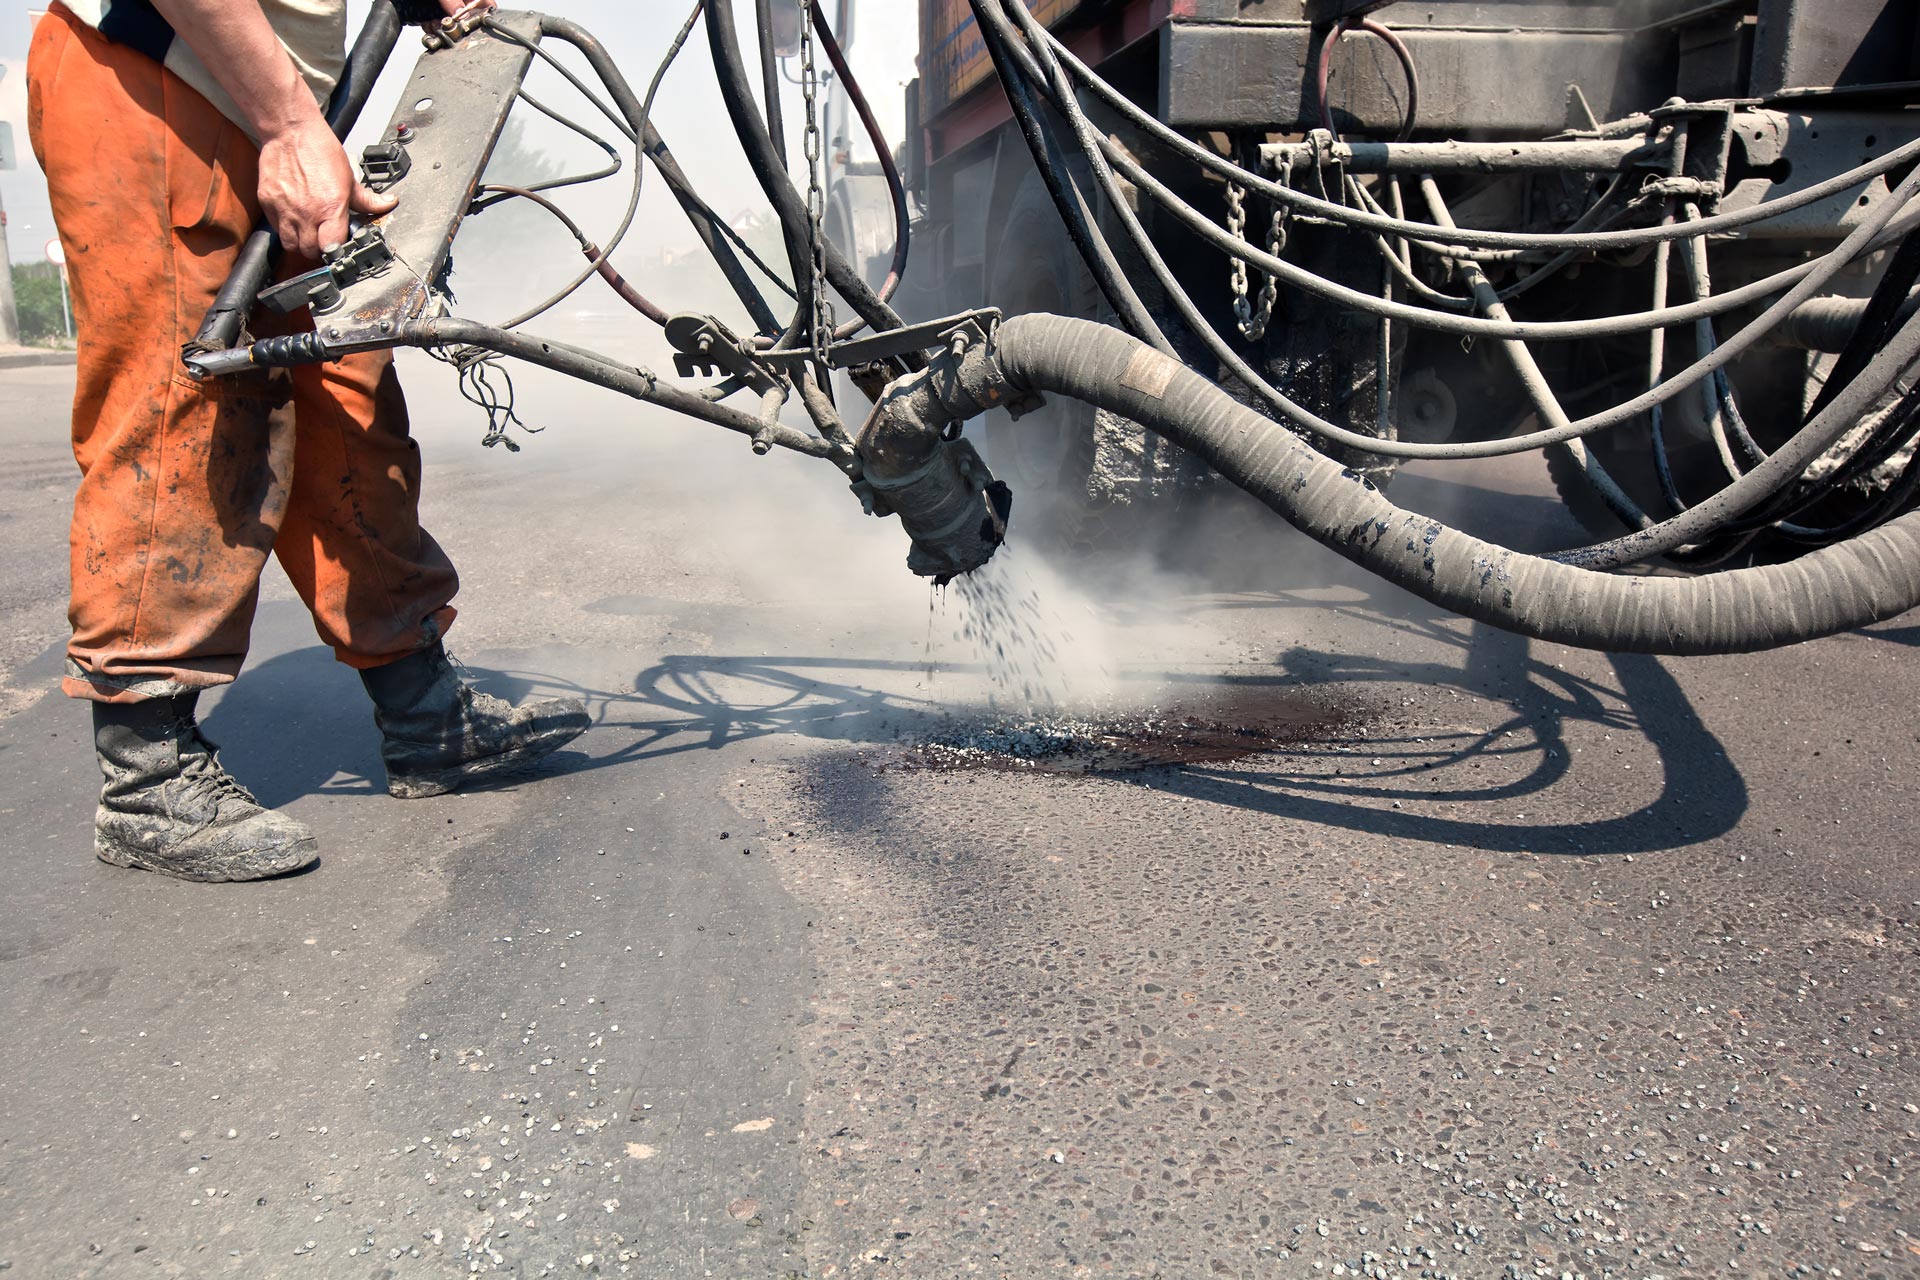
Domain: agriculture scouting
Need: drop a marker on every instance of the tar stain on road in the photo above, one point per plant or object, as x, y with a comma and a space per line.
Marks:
1230, 726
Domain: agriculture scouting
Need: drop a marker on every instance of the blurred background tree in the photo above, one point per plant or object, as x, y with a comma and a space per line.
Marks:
36, 294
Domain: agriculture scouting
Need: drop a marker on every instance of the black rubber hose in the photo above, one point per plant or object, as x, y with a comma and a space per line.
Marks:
896, 189
735, 90
1867, 579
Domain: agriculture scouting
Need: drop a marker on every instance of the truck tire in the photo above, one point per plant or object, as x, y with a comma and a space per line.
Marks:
1048, 456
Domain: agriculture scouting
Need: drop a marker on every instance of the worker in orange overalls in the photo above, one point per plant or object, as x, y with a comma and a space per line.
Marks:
166, 129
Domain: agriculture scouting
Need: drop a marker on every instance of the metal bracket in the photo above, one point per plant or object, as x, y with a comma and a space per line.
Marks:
448, 119
451, 31
964, 377
914, 337
703, 347
364, 256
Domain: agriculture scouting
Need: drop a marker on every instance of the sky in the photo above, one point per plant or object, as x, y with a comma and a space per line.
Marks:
689, 116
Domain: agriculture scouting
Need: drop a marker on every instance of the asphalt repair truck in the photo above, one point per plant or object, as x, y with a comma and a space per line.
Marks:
1556, 118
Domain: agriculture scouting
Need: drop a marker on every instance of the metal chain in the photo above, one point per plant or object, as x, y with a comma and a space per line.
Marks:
1237, 273
822, 320
1252, 318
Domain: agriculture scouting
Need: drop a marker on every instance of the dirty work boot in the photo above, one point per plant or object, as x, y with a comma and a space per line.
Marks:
439, 735
168, 806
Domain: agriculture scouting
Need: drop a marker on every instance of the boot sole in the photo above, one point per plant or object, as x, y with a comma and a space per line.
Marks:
255, 864
438, 782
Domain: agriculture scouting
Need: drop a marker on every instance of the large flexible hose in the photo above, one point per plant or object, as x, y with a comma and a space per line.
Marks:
1866, 579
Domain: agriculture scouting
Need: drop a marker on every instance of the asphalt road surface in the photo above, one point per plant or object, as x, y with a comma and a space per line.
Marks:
1492, 959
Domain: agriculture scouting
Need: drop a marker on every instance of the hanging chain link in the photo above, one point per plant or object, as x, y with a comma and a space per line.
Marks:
1253, 318
1237, 273
822, 321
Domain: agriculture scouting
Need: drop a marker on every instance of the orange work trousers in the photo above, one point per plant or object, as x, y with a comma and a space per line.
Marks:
186, 487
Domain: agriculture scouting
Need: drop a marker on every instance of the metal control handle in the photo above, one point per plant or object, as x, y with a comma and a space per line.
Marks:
251, 270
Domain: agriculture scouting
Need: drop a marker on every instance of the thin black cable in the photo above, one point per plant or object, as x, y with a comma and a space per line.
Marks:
770, 76
626, 130
896, 187
615, 281
631, 133
614, 162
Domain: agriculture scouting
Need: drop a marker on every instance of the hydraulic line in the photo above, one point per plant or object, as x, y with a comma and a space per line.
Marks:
575, 179
1403, 267
634, 119
1712, 515
1568, 431
1625, 238
724, 42
632, 134
1826, 268
615, 281
1867, 579
1657, 338
1599, 213
770, 76
896, 188
1546, 404
1886, 308
1075, 212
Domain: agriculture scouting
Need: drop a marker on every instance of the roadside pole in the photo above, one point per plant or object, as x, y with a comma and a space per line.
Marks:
57, 255
9, 318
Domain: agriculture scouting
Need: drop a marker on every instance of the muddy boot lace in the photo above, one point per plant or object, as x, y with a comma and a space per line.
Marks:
203, 780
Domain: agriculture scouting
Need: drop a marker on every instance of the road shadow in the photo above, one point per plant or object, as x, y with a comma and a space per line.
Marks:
1700, 794
300, 724
1907, 636
296, 725
698, 702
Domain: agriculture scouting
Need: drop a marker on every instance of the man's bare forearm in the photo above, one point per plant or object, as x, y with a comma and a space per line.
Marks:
239, 49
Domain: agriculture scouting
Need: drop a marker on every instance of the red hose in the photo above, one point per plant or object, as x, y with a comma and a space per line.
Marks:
1323, 66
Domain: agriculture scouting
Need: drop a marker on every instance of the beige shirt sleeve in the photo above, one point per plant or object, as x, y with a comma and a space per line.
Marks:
314, 33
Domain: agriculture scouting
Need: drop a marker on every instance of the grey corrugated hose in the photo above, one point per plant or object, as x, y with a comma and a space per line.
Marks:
1866, 579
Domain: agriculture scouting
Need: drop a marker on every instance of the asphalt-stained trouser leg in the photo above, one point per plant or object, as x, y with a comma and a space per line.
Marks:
378, 585
182, 486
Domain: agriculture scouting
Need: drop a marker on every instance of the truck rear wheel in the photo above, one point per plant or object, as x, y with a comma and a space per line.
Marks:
1048, 456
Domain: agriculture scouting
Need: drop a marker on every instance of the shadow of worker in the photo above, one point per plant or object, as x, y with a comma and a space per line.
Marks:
300, 724
296, 725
